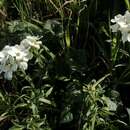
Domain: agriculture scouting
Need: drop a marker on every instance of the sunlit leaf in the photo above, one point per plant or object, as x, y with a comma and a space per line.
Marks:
46, 101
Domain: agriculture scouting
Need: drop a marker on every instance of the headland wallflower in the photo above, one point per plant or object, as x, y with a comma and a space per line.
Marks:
122, 24
16, 57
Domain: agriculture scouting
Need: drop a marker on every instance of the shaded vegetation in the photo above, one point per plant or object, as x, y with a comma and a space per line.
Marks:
79, 79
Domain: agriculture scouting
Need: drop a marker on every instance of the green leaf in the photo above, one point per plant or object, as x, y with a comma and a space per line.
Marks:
45, 101
49, 92
67, 38
3, 116
67, 117
2, 97
127, 4
100, 80
15, 128
111, 105
124, 52
34, 109
21, 105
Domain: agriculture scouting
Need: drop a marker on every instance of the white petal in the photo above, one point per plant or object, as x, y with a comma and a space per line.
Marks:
8, 75
25, 43
122, 24
128, 37
115, 27
1, 56
29, 56
14, 67
113, 20
124, 37
32, 38
23, 65
127, 16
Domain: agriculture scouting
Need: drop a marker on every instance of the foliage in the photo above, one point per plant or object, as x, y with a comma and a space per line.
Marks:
78, 79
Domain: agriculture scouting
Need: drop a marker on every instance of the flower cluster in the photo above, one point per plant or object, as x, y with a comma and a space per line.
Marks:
16, 57
122, 24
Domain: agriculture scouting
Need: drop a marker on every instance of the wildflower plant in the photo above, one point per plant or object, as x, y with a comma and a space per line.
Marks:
122, 24
16, 57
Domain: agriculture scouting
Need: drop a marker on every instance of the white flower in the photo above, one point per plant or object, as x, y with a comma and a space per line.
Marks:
8, 75
31, 42
23, 65
1, 56
25, 44
127, 17
9, 50
8, 66
124, 37
117, 18
122, 24
120, 20
115, 27
21, 54
16, 57
128, 37
34, 41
